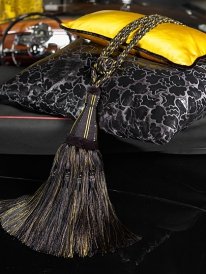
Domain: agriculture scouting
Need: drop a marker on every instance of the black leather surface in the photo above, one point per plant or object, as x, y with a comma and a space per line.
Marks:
7, 72
24, 132
42, 134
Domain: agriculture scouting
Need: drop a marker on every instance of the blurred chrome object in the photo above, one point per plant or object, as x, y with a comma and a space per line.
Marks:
41, 32
39, 40
126, 4
202, 27
34, 42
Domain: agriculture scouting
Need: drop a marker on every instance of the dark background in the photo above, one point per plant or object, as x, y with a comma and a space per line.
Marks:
155, 194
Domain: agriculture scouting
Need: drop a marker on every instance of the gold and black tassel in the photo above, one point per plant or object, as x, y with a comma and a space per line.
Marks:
71, 213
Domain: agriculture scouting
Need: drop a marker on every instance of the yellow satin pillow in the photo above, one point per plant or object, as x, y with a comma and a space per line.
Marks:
178, 44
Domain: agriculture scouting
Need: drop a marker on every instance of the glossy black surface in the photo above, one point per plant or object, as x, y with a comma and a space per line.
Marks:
169, 176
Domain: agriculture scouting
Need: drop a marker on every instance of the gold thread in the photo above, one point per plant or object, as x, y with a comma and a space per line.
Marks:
88, 122
89, 118
86, 125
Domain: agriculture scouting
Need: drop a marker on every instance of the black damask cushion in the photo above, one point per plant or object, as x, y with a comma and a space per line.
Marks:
54, 85
153, 102
143, 100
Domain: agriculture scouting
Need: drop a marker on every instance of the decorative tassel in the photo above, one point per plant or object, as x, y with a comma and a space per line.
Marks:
71, 213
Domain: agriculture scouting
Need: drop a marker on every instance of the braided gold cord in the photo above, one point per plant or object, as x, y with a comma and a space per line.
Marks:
106, 65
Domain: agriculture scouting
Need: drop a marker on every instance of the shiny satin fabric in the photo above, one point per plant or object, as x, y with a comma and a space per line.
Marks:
178, 44
10, 9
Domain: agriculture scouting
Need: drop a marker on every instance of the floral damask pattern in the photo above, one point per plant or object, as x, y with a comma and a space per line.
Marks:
143, 100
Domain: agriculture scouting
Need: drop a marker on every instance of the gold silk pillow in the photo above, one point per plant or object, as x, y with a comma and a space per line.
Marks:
175, 43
